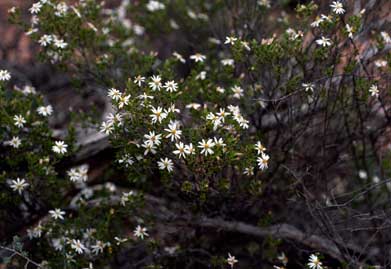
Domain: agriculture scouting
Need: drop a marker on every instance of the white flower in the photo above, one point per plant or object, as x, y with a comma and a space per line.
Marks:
155, 5
45, 40
349, 29
179, 57
195, 106
35, 8
219, 142
220, 89
374, 90
201, 76
60, 43
156, 83
181, 151
140, 232
157, 115
98, 247
230, 40
149, 148
259, 148
249, 171
78, 174
60, 147
123, 101
152, 138
206, 146
57, 213
61, 9
139, 80
198, 57
337, 7
189, 149
114, 94
14, 142
263, 161
19, 185
324, 42
115, 118
308, 86
231, 260
238, 91
165, 164
19, 121
106, 127
126, 197
5, 75
229, 62
173, 131
45, 110
386, 37
78, 246
171, 86
264, 3
314, 262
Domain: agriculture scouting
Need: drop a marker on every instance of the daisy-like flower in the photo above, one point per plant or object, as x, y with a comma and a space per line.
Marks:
35, 8
198, 57
14, 142
195, 106
220, 89
149, 148
5, 75
156, 83
157, 114
153, 138
57, 214
179, 57
123, 101
78, 246
173, 131
189, 149
215, 119
114, 94
206, 146
45, 110
19, 185
349, 30
180, 151
60, 43
337, 7
238, 91
155, 5
222, 114
386, 37
165, 164
126, 196
314, 262
324, 42
219, 142
60, 147
231, 260
106, 128
19, 121
140, 232
61, 9
259, 148
230, 40
139, 80
171, 86
374, 90
229, 62
98, 247
308, 86
248, 171
263, 161
45, 40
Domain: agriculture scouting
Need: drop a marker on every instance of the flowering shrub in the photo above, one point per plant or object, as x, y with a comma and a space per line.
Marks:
217, 122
